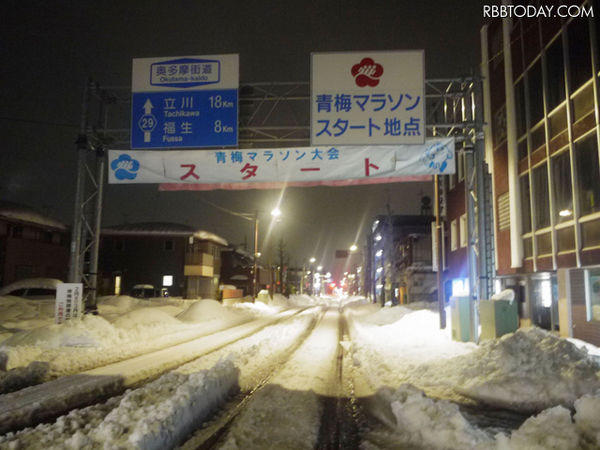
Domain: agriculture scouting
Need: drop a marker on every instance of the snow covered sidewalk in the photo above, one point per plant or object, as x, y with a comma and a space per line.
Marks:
402, 353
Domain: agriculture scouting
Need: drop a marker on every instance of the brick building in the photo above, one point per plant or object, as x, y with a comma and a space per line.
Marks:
542, 81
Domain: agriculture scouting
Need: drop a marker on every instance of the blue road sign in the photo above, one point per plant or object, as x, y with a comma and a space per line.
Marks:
189, 102
184, 119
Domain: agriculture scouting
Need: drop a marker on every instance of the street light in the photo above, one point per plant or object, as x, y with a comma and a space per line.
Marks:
312, 260
353, 248
276, 212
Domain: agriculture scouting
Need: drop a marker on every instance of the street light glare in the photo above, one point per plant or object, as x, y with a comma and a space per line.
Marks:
312, 260
353, 248
276, 212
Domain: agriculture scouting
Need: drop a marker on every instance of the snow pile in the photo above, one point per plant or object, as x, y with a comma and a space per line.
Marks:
421, 422
387, 315
279, 300
144, 316
554, 428
416, 421
257, 308
207, 310
116, 304
303, 300
151, 417
174, 405
530, 369
90, 331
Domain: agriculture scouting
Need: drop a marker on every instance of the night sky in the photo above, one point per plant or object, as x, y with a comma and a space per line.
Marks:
50, 48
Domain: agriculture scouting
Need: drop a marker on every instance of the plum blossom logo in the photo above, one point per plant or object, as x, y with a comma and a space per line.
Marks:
436, 157
367, 73
125, 167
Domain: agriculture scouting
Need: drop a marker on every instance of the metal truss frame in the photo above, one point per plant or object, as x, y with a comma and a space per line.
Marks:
275, 114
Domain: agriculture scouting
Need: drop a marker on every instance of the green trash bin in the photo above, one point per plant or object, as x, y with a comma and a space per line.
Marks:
498, 317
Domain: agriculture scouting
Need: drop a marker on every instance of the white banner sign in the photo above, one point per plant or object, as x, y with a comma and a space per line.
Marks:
69, 304
375, 97
268, 168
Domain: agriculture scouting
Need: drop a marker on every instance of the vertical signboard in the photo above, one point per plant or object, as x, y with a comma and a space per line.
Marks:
186, 102
365, 98
69, 304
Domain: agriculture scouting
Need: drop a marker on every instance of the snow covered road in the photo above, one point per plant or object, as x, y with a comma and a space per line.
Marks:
334, 375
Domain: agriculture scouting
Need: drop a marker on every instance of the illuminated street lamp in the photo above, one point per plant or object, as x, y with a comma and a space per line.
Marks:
312, 260
276, 212
353, 248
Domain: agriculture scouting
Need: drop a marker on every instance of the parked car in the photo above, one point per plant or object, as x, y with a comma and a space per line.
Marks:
32, 288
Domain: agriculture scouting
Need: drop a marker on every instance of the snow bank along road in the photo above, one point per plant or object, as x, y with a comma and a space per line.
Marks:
47, 400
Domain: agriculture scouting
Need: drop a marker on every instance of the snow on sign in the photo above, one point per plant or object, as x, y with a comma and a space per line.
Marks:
269, 168
368, 98
186, 102
69, 303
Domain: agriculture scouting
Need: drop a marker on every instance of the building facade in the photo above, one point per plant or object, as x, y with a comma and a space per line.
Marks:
184, 261
399, 260
542, 82
31, 245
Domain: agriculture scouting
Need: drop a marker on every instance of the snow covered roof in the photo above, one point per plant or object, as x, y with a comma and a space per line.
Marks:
22, 213
162, 229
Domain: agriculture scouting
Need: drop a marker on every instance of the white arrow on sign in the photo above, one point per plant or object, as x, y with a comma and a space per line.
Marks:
148, 106
148, 111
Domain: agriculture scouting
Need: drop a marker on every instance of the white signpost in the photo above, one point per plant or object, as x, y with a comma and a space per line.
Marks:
69, 304
268, 168
186, 102
372, 97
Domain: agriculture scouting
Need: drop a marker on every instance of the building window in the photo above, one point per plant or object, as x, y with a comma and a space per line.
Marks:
17, 232
538, 137
590, 234
520, 108
592, 294
169, 245
536, 94
525, 204
527, 247
522, 148
453, 235
544, 244
556, 74
561, 187
463, 230
540, 197
588, 174
583, 102
558, 121
565, 239
580, 55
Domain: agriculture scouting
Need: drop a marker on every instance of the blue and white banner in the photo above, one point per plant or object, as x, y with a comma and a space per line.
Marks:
267, 168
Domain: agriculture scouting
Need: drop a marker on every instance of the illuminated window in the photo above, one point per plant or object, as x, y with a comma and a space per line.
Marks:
167, 280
